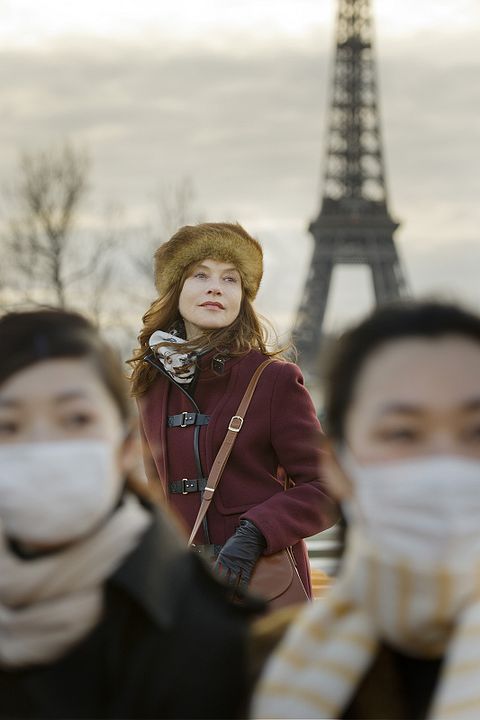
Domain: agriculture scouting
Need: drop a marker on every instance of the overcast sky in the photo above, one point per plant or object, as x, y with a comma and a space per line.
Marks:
233, 95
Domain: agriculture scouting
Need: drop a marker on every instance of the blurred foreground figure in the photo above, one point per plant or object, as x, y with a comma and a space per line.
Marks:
103, 613
399, 635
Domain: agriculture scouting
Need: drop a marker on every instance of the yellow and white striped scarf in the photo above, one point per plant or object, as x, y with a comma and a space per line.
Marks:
328, 650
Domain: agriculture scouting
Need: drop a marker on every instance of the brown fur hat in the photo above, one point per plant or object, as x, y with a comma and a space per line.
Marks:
225, 242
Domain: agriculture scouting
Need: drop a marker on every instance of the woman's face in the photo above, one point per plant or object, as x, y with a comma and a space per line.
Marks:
415, 397
210, 298
57, 400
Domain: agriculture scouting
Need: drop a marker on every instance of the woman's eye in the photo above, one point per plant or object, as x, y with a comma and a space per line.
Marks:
8, 427
79, 420
200, 275
230, 278
399, 435
472, 434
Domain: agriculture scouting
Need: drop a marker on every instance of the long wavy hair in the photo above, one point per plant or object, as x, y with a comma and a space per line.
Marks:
247, 332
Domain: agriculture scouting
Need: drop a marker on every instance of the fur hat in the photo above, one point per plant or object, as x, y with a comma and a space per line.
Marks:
225, 242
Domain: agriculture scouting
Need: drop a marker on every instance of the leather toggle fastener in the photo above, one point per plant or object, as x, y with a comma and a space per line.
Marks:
186, 419
186, 486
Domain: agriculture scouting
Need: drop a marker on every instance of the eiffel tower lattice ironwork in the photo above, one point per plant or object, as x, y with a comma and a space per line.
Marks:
354, 225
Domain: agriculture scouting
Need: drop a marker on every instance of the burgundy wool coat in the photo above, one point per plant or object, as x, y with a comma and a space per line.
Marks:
280, 431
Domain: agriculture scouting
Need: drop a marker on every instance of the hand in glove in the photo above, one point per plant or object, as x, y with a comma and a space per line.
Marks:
240, 553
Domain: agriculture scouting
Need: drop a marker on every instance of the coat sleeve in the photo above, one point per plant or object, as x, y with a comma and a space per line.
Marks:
305, 509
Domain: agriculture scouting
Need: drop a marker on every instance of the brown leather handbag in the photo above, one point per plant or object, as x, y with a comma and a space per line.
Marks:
275, 577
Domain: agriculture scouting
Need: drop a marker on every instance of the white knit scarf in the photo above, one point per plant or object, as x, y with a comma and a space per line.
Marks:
326, 653
49, 603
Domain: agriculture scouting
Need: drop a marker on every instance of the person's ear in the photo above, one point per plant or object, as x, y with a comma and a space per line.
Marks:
338, 482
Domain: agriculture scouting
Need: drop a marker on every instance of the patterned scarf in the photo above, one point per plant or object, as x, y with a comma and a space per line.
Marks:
428, 614
49, 603
180, 366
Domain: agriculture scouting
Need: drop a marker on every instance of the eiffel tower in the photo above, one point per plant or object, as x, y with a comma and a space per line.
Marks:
354, 225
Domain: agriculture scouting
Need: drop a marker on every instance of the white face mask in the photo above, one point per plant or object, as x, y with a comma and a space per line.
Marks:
412, 560
55, 492
424, 510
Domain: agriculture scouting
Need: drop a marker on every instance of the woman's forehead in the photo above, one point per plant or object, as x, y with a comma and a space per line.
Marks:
215, 264
53, 377
416, 372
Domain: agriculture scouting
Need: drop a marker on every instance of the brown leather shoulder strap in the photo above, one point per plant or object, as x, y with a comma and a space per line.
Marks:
234, 427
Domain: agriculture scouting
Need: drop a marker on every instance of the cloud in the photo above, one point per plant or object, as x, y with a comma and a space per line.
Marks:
247, 124
235, 123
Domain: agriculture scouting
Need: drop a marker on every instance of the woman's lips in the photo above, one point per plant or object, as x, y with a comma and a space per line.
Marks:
213, 306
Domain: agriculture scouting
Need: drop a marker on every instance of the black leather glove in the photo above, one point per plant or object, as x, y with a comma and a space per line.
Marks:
239, 555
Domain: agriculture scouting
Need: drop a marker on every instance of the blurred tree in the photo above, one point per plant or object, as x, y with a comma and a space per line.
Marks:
54, 253
48, 258
175, 207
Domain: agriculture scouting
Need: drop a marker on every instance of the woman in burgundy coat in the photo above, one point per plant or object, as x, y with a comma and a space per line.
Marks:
199, 346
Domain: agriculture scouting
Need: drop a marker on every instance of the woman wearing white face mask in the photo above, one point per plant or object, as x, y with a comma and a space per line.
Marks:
99, 601
398, 635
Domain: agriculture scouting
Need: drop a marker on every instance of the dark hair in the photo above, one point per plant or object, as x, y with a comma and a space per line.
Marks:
29, 337
427, 319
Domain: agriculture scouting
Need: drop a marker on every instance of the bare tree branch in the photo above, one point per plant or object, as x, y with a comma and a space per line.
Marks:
49, 258
50, 189
176, 207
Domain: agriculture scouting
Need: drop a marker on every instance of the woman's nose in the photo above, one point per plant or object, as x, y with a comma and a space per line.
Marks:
214, 289
40, 430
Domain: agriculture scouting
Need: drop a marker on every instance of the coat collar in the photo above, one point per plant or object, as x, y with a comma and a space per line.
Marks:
209, 369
